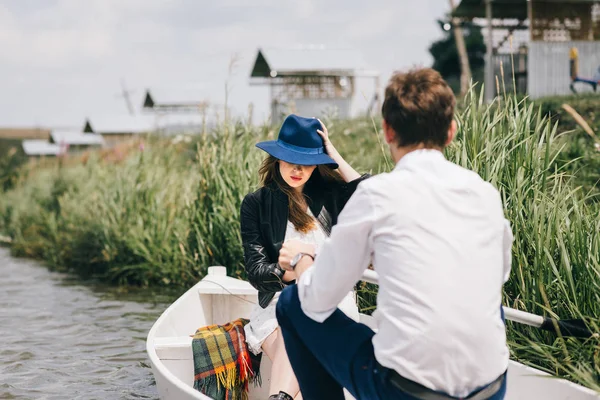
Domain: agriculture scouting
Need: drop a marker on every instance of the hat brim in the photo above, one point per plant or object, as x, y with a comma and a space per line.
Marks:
296, 157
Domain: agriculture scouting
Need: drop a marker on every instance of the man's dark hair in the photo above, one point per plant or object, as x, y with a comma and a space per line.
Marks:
419, 107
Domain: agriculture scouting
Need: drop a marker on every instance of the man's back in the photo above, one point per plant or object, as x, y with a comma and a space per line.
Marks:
439, 240
437, 236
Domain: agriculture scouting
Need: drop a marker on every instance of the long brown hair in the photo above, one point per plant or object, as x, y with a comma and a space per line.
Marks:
322, 175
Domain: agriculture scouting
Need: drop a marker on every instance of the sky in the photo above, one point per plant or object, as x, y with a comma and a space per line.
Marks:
63, 60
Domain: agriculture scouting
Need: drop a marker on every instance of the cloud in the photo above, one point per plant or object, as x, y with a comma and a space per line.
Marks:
63, 59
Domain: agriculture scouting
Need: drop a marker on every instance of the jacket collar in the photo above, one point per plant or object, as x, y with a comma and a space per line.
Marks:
277, 193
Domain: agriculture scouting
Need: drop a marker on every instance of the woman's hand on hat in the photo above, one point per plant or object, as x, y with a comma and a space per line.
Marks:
348, 173
324, 133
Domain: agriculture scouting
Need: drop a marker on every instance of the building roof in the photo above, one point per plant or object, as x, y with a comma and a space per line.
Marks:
119, 124
74, 138
505, 9
38, 147
188, 95
313, 60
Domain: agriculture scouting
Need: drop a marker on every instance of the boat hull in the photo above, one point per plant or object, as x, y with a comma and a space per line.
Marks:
218, 299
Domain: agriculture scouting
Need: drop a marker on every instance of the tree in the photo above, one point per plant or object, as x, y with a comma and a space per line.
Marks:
465, 69
446, 56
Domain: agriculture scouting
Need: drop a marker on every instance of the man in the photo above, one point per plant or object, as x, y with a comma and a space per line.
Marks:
437, 236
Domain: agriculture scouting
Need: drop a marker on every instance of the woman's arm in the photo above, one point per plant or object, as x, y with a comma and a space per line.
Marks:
263, 274
346, 171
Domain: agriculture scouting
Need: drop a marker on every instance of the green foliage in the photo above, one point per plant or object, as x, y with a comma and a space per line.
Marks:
445, 54
581, 155
11, 159
162, 216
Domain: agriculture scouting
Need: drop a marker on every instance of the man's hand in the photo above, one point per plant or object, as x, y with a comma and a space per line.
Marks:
289, 250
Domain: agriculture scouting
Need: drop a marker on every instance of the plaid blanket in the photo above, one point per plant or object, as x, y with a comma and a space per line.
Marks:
223, 366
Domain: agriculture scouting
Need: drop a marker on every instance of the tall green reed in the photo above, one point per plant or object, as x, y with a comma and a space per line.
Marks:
162, 216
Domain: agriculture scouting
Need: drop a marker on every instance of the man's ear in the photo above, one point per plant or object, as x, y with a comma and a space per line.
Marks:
452, 132
388, 132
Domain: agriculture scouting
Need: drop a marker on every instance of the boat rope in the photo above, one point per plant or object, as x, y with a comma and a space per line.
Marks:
230, 293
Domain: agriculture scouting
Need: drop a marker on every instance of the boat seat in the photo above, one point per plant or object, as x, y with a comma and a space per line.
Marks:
176, 351
174, 347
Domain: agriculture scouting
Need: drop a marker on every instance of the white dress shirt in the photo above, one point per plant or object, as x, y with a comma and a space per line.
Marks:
438, 239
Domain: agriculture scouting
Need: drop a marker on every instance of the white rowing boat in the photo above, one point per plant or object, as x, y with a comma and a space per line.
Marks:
219, 299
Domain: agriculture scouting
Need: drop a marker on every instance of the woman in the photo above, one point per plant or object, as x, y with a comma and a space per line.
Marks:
301, 197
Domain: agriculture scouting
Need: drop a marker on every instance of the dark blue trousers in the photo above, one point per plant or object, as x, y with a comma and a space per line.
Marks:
335, 354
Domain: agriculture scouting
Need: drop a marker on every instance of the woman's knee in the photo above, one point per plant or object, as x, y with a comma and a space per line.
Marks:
270, 344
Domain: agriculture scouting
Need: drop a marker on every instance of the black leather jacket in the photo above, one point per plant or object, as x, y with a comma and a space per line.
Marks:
264, 216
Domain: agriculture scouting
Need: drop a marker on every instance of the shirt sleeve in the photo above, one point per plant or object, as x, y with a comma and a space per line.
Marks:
342, 259
507, 250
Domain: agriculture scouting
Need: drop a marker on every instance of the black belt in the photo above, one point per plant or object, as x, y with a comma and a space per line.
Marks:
423, 393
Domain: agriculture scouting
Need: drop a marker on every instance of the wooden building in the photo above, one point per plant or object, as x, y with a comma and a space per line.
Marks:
312, 81
552, 27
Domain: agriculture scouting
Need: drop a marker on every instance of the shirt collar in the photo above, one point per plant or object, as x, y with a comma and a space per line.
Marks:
417, 156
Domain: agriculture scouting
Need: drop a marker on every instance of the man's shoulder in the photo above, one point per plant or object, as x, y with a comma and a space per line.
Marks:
386, 188
385, 181
479, 181
478, 184
384, 178
472, 175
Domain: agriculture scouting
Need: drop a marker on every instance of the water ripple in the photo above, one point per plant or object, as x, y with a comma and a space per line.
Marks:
64, 340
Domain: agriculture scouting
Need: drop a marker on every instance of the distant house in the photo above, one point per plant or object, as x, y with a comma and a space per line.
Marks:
40, 148
75, 141
61, 142
117, 128
178, 109
314, 80
538, 36
174, 100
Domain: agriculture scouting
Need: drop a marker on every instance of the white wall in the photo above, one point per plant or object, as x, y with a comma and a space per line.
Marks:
548, 67
358, 104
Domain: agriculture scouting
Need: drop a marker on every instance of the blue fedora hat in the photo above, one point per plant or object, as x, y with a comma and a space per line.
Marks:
299, 143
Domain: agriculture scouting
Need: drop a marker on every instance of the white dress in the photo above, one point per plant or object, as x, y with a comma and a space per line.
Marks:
263, 321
